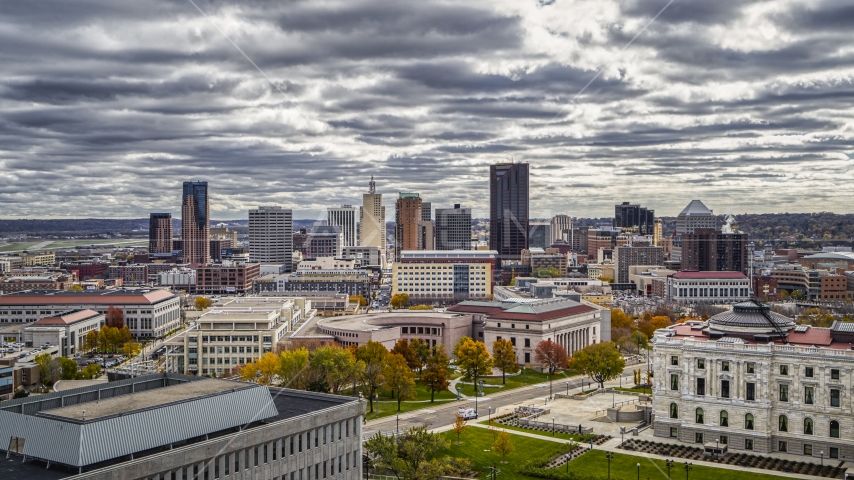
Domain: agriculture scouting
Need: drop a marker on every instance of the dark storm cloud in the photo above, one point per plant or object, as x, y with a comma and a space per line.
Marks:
128, 99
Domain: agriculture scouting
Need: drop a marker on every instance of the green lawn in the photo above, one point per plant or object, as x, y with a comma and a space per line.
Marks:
562, 436
624, 466
388, 406
476, 445
529, 377
645, 390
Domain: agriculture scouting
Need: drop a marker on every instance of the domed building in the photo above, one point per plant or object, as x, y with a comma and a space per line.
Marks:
753, 380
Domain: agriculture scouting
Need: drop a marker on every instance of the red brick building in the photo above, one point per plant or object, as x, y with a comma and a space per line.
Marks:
227, 279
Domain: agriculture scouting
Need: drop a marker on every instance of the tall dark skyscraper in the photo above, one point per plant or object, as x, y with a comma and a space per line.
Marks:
160, 233
453, 228
195, 223
508, 209
634, 218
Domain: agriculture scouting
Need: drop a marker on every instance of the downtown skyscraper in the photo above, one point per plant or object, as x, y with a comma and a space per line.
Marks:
372, 226
195, 223
160, 233
453, 228
509, 209
344, 217
271, 236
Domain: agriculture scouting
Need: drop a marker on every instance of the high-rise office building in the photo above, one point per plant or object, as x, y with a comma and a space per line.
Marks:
560, 228
453, 228
508, 209
160, 233
708, 250
626, 256
324, 241
344, 217
372, 220
539, 234
271, 236
658, 232
195, 224
695, 215
427, 211
634, 218
407, 219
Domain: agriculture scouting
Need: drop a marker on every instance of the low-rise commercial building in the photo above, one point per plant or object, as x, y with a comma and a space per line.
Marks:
130, 275
754, 381
364, 256
67, 330
351, 282
148, 312
434, 328
708, 287
228, 278
444, 276
48, 281
182, 427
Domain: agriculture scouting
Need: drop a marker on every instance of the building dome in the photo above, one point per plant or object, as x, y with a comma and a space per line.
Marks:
751, 318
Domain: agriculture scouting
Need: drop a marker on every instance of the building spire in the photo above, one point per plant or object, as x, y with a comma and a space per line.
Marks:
372, 188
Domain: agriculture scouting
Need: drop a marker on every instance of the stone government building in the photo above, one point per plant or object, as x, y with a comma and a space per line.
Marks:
755, 381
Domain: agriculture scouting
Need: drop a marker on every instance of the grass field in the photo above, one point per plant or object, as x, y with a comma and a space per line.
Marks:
626, 467
59, 244
476, 445
529, 377
562, 436
388, 406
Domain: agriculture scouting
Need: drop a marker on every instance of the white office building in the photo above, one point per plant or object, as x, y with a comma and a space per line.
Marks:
344, 217
708, 287
271, 236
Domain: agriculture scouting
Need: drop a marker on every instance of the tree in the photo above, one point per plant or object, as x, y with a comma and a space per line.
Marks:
648, 327
619, 319
504, 358
76, 288
374, 355
459, 426
551, 355
292, 368
399, 300
474, 360
456, 351
93, 370
131, 349
90, 342
50, 369
414, 456
68, 368
332, 366
817, 317
403, 348
262, 370
114, 317
599, 361
399, 378
360, 299
202, 303
435, 376
545, 272
421, 307
422, 351
503, 445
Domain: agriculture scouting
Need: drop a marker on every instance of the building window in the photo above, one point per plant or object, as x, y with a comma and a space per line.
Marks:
674, 432
701, 363
834, 452
527, 343
809, 395
751, 367
499, 325
784, 369
748, 444
698, 437
724, 418
807, 449
674, 381
698, 415
781, 446
834, 374
527, 356
674, 360
724, 439
834, 429
808, 426
748, 421
701, 386
834, 397
783, 423
674, 410
724, 366
724, 388
750, 392
784, 393
404, 329
808, 372
513, 341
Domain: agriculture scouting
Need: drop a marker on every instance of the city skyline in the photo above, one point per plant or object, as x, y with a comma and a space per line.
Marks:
741, 104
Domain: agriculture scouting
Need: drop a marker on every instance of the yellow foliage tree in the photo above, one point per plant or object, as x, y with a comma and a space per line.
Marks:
503, 445
261, 371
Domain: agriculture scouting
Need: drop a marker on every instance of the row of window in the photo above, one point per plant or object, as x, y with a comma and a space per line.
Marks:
750, 367
750, 391
782, 445
782, 421
420, 330
712, 292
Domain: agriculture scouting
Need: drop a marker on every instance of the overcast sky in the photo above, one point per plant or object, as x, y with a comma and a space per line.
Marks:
107, 106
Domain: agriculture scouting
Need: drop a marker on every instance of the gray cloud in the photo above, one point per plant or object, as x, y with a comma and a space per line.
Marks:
106, 107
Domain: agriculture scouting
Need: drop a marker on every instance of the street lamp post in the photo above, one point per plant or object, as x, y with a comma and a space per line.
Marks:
397, 428
668, 464
822, 460
717, 445
687, 469
613, 399
553, 426
609, 456
567, 389
489, 422
639, 471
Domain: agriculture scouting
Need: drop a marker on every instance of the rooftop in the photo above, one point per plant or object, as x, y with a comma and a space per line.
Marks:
539, 310
695, 209
68, 318
705, 275
86, 297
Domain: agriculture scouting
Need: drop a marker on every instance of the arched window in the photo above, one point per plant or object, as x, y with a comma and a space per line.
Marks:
724, 418
808, 426
783, 423
674, 410
748, 421
834, 429
699, 415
